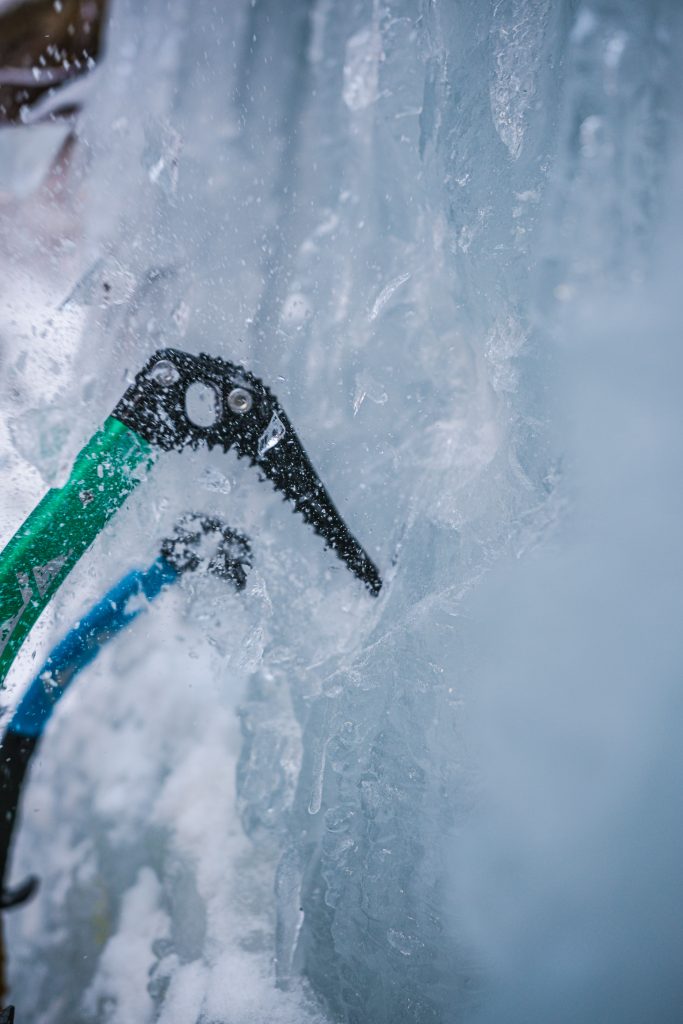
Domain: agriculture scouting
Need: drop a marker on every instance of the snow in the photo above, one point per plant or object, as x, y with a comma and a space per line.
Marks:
447, 236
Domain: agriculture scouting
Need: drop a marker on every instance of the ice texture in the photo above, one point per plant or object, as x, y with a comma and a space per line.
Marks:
446, 234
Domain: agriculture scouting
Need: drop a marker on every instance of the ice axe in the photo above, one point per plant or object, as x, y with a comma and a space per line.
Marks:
152, 416
198, 542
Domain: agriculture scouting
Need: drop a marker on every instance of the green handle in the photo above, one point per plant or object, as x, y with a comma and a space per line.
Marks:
45, 549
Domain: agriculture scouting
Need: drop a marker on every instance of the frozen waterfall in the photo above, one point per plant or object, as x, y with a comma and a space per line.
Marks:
447, 233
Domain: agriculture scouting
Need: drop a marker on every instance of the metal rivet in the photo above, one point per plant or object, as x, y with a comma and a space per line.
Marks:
240, 400
165, 373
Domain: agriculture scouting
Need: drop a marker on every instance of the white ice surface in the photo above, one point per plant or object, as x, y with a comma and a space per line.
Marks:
443, 233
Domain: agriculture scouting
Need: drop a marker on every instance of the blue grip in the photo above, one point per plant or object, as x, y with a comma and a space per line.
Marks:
81, 645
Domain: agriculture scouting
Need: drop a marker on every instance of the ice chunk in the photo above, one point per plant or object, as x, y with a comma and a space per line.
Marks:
105, 283
296, 309
215, 481
386, 293
368, 387
272, 435
162, 156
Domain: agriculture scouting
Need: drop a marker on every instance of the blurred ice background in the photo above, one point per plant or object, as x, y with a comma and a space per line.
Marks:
449, 235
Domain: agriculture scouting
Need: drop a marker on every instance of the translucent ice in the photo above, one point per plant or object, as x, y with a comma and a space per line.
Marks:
105, 282
26, 156
272, 435
446, 235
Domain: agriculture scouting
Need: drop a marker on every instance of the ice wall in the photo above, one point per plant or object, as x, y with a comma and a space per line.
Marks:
567, 875
420, 221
